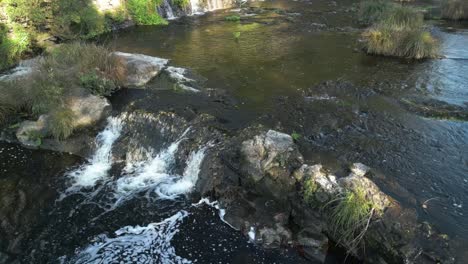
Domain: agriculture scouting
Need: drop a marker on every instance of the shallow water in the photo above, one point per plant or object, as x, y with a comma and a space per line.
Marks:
284, 48
287, 47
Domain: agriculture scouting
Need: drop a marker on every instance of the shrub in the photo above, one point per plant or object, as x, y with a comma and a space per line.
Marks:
400, 32
12, 44
233, 18
96, 84
414, 44
181, 3
61, 123
401, 18
350, 218
144, 12
455, 9
13, 99
77, 19
372, 11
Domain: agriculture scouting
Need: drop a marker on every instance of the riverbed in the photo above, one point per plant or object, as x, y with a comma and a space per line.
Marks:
279, 52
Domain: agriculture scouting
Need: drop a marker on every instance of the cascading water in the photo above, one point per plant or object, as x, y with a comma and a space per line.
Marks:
167, 9
98, 166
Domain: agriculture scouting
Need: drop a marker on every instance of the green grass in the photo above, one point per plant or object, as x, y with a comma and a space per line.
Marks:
233, 18
454, 9
350, 218
144, 12
372, 11
399, 31
61, 123
61, 73
13, 44
310, 188
296, 136
181, 3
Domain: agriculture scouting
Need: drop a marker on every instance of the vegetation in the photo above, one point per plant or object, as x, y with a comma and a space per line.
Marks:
181, 3
25, 25
455, 9
310, 187
373, 10
350, 218
13, 44
144, 12
233, 18
63, 72
397, 31
296, 136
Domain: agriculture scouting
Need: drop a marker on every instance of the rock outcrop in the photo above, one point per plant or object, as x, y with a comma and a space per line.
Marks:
140, 68
261, 179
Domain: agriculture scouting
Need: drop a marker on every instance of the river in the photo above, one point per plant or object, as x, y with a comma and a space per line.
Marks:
94, 211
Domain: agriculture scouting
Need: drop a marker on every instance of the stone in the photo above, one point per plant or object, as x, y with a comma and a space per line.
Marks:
30, 133
314, 243
88, 109
140, 68
357, 181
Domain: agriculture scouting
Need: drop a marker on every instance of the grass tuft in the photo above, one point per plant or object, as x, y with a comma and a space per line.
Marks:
144, 12
61, 123
350, 218
372, 11
455, 9
398, 31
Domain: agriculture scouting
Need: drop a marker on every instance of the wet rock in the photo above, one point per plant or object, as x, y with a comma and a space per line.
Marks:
88, 109
356, 181
434, 108
140, 68
268, 161
313, 242
30, 133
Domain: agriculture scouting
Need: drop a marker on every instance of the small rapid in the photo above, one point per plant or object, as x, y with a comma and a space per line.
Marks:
96, 169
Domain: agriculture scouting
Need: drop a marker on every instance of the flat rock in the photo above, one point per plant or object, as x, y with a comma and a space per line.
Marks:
140, 68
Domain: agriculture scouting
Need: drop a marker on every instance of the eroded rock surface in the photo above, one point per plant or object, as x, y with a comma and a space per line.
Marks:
140, 68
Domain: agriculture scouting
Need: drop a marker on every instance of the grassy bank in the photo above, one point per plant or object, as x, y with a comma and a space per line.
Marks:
454, 9
27, 26
396, 30
68, 70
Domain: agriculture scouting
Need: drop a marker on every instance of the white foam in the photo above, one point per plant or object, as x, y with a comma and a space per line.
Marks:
97, 167
136, 244
215, 204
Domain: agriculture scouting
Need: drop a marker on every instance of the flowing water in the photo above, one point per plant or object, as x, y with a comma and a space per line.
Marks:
105, 210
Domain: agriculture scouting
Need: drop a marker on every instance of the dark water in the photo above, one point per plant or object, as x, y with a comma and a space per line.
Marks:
284, 48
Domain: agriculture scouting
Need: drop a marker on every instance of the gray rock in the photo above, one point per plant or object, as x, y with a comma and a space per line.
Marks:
357, 181
88, 109
140, 68
30, 133
313, 242
267, 154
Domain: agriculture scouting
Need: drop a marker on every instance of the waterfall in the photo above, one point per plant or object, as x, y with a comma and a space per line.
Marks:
136, 244
168, 10
97, 167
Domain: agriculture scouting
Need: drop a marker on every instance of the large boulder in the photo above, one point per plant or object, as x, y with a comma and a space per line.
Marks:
88, 109
140, 68
30, 133
268, 161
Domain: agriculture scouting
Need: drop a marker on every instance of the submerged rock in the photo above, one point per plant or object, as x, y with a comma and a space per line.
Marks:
140, 68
